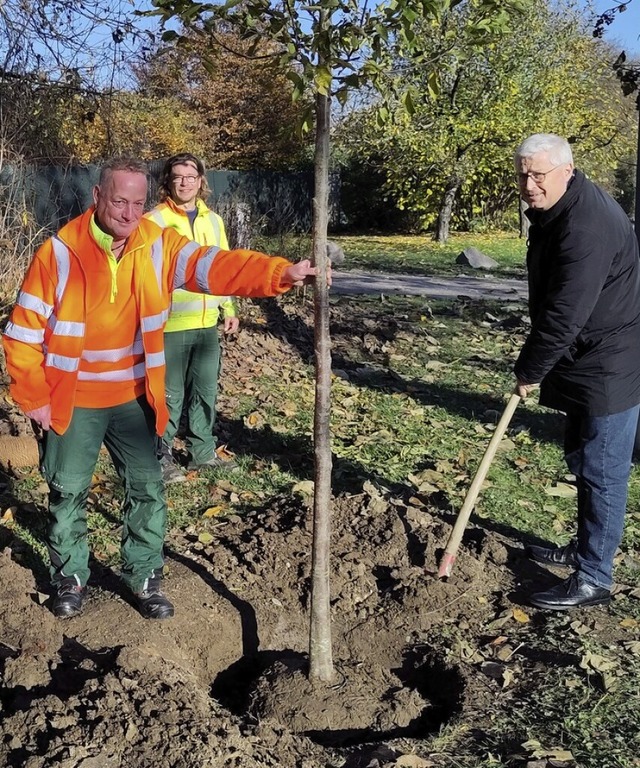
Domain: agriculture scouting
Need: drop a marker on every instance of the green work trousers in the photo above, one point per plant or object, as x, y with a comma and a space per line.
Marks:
193, 366
69, 460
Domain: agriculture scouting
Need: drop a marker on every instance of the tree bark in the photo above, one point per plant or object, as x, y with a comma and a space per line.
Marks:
446, 209
320, 650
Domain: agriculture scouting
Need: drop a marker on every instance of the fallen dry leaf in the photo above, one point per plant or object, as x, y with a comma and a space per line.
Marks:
413, 761
633, 646
253, 420
597, 663
224, 453
520, 615
562, 490
304, 487
214, 511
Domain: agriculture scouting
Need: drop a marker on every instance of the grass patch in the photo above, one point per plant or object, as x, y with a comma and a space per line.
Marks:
412, 254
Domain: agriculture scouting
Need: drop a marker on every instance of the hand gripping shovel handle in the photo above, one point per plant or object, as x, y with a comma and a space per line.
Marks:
448, 559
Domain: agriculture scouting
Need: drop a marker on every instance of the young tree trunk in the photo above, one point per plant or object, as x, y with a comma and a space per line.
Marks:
444, 216
320, 651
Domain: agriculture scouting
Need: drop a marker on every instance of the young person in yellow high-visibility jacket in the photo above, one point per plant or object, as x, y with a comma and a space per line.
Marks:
192, 344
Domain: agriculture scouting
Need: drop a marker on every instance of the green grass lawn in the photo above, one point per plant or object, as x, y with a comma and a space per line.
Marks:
420, 255
412, 254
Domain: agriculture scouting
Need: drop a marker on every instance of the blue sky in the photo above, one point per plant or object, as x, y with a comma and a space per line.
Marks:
625, 30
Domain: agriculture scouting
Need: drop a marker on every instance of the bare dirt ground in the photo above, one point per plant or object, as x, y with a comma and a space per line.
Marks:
224, 682
111, 689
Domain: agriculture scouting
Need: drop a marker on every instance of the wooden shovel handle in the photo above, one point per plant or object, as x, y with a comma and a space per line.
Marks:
455, 537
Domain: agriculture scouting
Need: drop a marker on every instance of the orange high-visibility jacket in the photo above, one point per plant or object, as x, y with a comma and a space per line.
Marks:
44, 337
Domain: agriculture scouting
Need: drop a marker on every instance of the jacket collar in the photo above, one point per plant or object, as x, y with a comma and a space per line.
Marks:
574, 187
201, 207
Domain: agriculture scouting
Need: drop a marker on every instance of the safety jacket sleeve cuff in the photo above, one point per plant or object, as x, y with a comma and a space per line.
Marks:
30, 405
277, 285
228, 308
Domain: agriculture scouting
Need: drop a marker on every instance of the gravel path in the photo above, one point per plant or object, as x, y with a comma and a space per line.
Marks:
486, 287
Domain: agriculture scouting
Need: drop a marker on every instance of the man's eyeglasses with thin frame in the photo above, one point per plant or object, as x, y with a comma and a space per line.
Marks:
537, 176
185, 179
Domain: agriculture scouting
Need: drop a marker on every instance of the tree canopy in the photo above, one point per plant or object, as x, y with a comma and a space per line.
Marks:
457, 145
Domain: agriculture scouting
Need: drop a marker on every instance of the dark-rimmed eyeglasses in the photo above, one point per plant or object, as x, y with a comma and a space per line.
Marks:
537, 176
184, 179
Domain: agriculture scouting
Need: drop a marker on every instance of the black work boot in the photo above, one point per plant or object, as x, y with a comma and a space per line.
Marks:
171, 472
151, 601
69, 598
567, 555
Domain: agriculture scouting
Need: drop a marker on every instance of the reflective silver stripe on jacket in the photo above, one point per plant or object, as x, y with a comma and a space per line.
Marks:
124, 374
154, 322
35, 304
66, 327
154, 359
180, 277
157, 217
157, 259
114, 354
178, 306
215, 221
61, 253
62, 362
203, 267
27, 335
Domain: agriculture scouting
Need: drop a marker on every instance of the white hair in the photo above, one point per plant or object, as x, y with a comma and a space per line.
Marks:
557, 148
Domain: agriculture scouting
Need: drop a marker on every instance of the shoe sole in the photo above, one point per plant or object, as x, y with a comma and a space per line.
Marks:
567, 564
158, 616
556, 607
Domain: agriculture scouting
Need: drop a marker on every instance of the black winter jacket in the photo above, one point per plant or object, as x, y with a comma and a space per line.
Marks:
584, 301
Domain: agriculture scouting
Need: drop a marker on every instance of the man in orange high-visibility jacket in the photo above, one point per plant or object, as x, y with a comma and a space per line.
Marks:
84, 349
191, 340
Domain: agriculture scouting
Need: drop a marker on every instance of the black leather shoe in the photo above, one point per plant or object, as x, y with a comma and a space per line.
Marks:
571, 593
69, 598
151, 601
567, 555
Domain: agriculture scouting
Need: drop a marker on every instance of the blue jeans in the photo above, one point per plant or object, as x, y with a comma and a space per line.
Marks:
598, 452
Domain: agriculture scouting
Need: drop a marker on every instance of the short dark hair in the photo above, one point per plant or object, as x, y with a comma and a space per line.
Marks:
164, 190
122, 163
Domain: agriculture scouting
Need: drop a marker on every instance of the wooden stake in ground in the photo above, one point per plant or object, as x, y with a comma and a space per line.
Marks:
448, 559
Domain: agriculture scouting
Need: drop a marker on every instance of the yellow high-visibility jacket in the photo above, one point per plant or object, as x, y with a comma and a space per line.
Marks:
194, 310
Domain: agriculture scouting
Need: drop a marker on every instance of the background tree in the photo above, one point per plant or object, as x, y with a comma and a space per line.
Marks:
452, 156
628, 73
240, 102
57, 56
